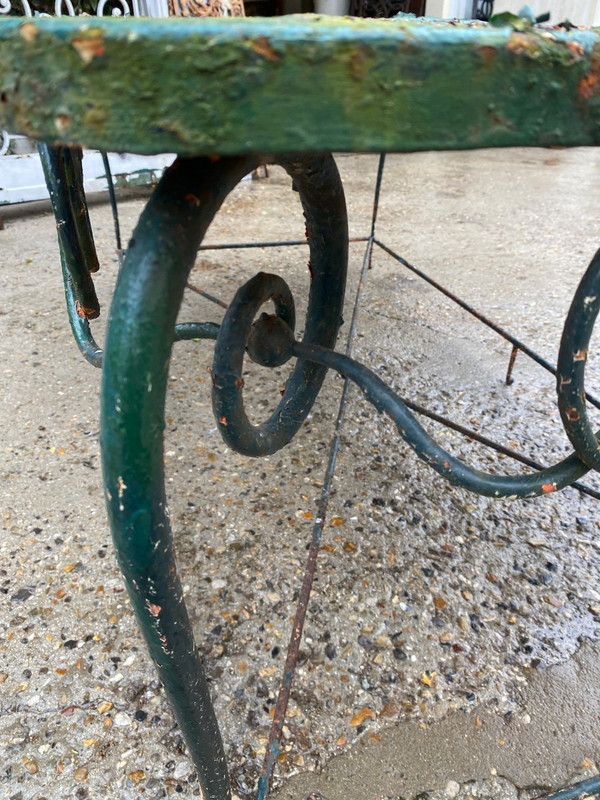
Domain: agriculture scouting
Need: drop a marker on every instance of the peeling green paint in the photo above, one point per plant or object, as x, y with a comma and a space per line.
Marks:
205, 86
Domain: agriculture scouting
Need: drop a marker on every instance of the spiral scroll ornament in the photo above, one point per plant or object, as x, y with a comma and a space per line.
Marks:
270, 341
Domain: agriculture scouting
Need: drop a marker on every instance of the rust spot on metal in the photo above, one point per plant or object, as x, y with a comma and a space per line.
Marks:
576, 50
28, 31
121, 486
86, 313
564, 381
357, 64
501, 121
547, 488
191, 198
580, 355
89, 46
589, 85
447, 464
523, 45
62, 122
153, 609
262, 46
572, 414
239, 383
488, 54
223, 421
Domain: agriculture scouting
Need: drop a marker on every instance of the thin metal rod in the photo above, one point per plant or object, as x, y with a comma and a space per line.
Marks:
470, 434
275, 733
377, 194
291, 243
478, 315
509, 380
273, 746
113, 203
206, 295
285, 243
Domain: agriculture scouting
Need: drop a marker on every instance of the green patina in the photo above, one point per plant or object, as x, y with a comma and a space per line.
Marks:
223, 86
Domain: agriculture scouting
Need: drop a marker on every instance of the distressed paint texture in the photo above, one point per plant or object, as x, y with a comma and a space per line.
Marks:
135, 374
209, 86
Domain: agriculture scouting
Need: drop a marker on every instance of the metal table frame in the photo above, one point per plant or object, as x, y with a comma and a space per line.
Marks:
228, 90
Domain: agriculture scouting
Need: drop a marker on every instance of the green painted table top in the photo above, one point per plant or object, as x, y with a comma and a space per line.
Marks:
218, 86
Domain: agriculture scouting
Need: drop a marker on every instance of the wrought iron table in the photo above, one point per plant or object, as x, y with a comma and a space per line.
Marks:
233, 94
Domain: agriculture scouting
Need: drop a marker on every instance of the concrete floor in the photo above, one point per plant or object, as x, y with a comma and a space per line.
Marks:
451, 643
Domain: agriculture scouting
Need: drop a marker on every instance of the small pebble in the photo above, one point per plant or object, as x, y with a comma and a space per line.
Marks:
31, 766
81, 774
182, 770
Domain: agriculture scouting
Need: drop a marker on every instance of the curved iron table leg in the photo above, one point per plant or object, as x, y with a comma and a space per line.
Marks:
140, 335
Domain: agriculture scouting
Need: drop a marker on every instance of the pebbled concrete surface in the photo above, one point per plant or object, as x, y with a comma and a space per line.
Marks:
450, 645
551, 736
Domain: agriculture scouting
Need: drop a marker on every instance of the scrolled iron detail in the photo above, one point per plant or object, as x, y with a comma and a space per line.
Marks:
273, 341
6, 7
317, 180
238, 331
125, 9
572, 360
58, 6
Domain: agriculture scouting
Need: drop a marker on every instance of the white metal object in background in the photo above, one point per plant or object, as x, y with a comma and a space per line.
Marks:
580, 12
21, 174
22, 177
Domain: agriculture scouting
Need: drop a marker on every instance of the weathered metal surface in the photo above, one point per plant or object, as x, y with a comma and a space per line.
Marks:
572, 360
64, 176
270, 86
139, 340
322, 196
279, 339
140, 335
296, 83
